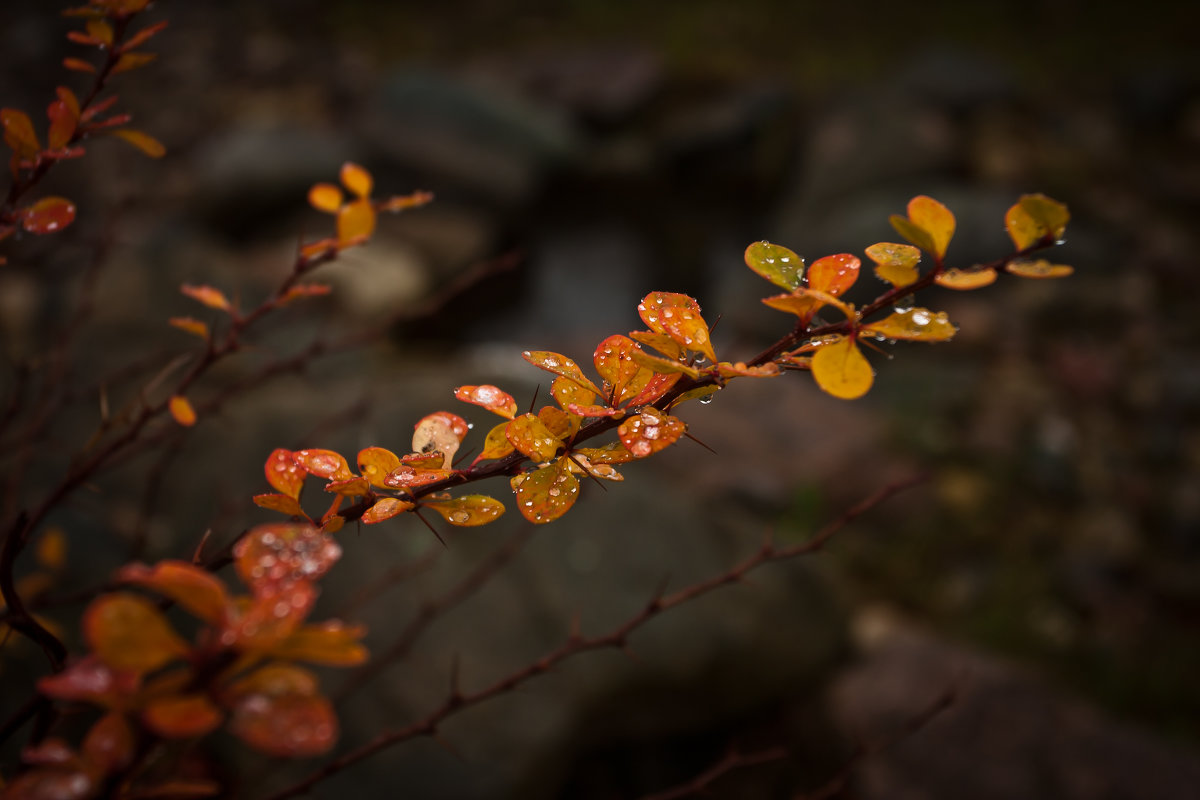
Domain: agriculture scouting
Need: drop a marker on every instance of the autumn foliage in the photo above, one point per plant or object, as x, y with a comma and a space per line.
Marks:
175, 651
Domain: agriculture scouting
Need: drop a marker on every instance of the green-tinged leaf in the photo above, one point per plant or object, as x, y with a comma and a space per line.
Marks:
284, 504
325, 197
128, 632
384, 509
330, 643
48, 215
965, 280
355, 223
1041, 268
283, 473
196, 589
777, 264
376, 463
915, 324
284, 552
623, 377
323, 464
649, 431
142, 141
468, 511
356, 179
677, 316
493, 398
895, 263
833, 275
530, 436
213, 298
545, 494
1036, 217
560, 365
841, 370
181, 716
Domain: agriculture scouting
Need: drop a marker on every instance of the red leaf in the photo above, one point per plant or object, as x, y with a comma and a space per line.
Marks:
142, 36
350, 487
281, 503
281, 553
48, 215
181, 716
90, 680
649, 431
283, 473
493, 398
18, 133
63, 119
277, 711
128, 633
52, 783
196, 589
78, 65
109, 745
834, 274
270, 616
323, 464
678, 316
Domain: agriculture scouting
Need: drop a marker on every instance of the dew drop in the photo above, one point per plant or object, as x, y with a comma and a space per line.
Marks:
460, 517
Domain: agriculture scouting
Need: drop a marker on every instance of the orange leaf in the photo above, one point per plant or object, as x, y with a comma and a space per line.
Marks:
356, 179
100, 31
623, 377
355, 223
196, 589
417, 469
659, 341
496, 444
319, 248
109, 745
805, 302
130, 61
916, 324
612, 453
78, 65
213, 298
678, 316
181, 716
493, 398
48, 215
330, 643
18, 133
663, 366
655, 388
841, 370
323, 464
1034, 218
405, 202
284, 552
190, 325
181, 409
532, 438
777, 264
325, 197
350, 487
281, 503
560, 424
895, 263
965, 280
740, 370
834, 274
559, 365
1040, 268
304, 290
51, 550
269, 617
649, 431
142, 141
384, 509
127, 632
578, 463
545, 494
375, 463
567, 392
63, 120
468, 511
283, 473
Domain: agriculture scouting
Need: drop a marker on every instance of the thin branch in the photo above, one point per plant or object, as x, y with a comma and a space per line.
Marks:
733, 759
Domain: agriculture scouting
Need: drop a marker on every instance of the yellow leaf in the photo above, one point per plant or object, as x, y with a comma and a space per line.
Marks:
929, 225
916, 324
1036, 217
1039, 269
895, 263
325, 197
965, 280
356, 179
468, 511
841, 370
190, 325
355, 223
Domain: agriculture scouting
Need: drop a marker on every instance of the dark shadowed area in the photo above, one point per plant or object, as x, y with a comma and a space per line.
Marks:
582, 154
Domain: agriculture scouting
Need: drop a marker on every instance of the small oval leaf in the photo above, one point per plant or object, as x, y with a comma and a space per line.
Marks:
777, 264
841, 370
650, 431
48, 215
469, 510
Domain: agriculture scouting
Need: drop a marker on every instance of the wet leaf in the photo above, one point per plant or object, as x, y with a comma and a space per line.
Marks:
611, 453
965, 280
213, 298
579, 464
895, 263
356, 179
350, 487
440, 432
109, 745
833, 274
469, 510
560, 424
416, 470
375, 463
678, 316
282, 503
52, 783
805, 302
740, 370
530, 436
355, 223
559, 365
182, 411
567, 392
777, 264
190, 325
384, 509
323, 464
194, 588
330, 643
277, 710
1041, 268
495, 444
545, 494
650, 431
1036, 217
181, 716
48, 215
128, 633
131, 61
655, 388
929, 225
659, 341
493, 398
623, 376
284, 552
269, 616
325, 197
142, 141
19, 133
663, 366
283, 473
915, 324
841, 370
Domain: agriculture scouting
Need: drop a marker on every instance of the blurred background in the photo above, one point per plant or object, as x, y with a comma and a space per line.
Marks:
585, 153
